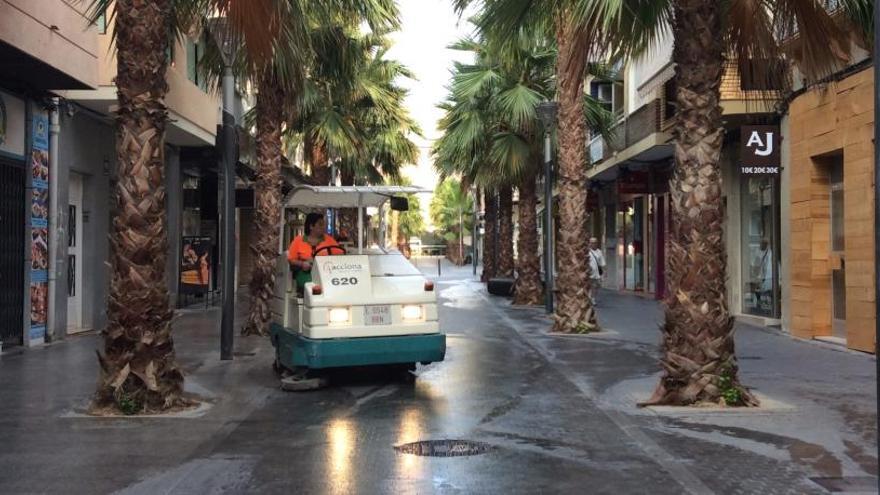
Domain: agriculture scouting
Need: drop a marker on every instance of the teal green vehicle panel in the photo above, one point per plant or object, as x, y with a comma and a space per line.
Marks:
295, 350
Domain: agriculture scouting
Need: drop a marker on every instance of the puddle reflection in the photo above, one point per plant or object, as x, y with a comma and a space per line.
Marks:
410, 430
341, 439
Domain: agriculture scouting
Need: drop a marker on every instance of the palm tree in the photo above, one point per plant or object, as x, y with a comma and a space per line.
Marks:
406, 224
410, 224
699, 360
585, 30
138, 368
277, 76
491, 113
352, 109
452, 210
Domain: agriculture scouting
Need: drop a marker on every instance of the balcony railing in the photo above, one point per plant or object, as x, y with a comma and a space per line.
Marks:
628, 131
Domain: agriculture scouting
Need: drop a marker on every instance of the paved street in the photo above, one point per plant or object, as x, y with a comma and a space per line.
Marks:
558, 411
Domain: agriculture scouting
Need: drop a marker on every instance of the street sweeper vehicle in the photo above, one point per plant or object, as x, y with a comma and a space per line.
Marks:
361, 307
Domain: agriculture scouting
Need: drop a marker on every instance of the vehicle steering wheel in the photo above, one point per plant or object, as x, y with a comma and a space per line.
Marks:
328, 248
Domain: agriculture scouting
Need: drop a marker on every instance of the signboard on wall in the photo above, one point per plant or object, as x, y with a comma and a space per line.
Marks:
39, 208
760, 150
195, 265
12, 125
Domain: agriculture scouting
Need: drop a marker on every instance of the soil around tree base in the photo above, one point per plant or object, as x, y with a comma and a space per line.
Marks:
187, 404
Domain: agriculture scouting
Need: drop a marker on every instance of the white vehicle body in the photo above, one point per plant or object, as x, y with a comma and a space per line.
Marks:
377, 280
362, 295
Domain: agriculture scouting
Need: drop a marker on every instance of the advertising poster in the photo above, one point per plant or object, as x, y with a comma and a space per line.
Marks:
195, 265
39, 165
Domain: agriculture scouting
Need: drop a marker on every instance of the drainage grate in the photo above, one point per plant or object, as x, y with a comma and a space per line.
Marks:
243, 354
847, 484
444, 448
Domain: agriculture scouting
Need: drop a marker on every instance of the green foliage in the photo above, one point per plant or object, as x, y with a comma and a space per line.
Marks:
730, 393
353, 107
491, 132
127, 404
411, 222
452, 209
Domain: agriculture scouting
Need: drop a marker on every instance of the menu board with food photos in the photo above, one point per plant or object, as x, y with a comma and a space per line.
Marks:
39, 164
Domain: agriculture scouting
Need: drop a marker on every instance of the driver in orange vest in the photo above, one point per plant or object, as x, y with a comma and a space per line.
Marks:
304, 248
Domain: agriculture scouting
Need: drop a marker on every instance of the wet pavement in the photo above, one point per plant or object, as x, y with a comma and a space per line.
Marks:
546, 414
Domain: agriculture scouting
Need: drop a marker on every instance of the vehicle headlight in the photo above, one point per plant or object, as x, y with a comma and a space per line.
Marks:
340, 315
412, 312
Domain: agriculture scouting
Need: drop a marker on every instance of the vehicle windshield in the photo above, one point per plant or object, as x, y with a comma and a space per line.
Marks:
392, 265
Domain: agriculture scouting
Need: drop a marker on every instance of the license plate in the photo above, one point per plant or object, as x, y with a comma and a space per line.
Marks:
377, 315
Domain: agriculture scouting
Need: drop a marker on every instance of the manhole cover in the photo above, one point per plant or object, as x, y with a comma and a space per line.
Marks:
444, 448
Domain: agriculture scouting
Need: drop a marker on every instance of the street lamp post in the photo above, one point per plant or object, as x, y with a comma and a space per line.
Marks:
547, 113
227, 44
475, 229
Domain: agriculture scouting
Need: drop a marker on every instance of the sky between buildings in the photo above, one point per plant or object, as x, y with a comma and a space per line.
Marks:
428, 27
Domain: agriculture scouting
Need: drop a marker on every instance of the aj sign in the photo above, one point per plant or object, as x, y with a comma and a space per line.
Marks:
759, 153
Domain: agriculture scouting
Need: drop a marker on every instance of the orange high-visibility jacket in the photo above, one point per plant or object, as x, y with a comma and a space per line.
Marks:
301, 250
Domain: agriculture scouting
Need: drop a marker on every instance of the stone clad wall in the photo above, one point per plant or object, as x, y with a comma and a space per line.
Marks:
832, 120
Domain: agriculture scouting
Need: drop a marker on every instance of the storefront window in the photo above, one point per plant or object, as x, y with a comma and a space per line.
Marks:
633, 242
760, 246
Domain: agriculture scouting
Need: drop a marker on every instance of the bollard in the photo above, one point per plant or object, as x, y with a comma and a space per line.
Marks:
438, 267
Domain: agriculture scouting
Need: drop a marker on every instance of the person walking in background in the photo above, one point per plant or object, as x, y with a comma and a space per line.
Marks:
597, 269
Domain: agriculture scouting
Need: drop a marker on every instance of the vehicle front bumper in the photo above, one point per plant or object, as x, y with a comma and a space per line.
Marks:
295, 350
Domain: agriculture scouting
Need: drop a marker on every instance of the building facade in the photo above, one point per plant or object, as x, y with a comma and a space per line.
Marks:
45, 46
629, 176
831, 204
58, 171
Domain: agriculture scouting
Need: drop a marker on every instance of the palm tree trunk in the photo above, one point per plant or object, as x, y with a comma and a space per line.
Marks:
490, 218
403, 246
267, 215
395, 227
574, 313
348, 216
316, 154
528, 266
505, 233
699, 362
138, 368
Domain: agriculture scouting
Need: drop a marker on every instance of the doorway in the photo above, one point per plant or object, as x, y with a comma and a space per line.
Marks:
12, 250
633, 245
75, 255
837, 257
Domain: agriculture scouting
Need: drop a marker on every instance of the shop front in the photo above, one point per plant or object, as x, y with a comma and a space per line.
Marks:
634, 224
760, 246
751, 171
13, 181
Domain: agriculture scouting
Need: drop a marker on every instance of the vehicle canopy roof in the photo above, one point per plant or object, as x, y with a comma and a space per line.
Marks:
305, 196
